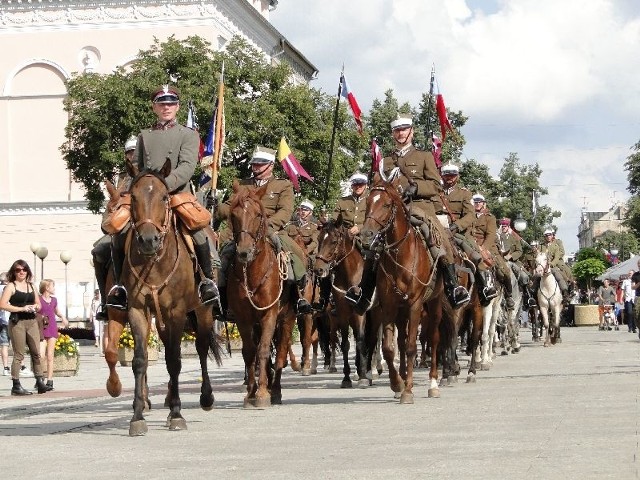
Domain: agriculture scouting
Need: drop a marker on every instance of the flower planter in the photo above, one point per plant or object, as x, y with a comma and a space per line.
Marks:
188, 349
236, 344
65, 365
125, 356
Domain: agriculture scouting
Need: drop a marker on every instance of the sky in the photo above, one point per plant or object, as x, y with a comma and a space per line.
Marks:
557, 82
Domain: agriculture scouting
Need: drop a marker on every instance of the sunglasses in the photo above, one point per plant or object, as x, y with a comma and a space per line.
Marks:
19, 269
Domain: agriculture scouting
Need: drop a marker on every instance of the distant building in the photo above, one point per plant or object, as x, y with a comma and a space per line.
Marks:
45, 43
594, 225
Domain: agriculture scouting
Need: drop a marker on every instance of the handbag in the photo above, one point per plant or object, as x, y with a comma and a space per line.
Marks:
43, 320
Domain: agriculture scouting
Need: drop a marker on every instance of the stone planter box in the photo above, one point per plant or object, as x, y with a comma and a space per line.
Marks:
65, 366
125, 356
586, 315
188, 349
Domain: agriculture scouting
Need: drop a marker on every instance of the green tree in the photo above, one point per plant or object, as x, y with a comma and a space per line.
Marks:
261, 105
632, 166
591, 252
587, 270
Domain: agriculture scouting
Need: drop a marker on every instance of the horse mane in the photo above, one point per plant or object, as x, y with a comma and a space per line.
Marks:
148, 171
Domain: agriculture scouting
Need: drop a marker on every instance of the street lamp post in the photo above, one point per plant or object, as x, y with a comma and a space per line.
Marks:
42, 253
65, 257
614, 255
34, 248
520, 224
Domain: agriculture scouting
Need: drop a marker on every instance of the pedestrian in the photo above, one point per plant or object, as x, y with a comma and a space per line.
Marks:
635, 284
629, 298
22, 301
50, 311
606, 300
98, 324
4, 331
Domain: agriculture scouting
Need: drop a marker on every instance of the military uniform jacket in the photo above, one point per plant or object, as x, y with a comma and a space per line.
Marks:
460, 206
483, 230
179, 144
510, 245
350, 210
418, 167
277, 201
308, 231
554, 251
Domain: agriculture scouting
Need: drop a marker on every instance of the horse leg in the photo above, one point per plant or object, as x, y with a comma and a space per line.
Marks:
472, 342
434, 340
410, 351
305, 326
315, 341
362, 354
333, 341
293, 361
203, 339
140, 331
401, 326
268, 323
344, 347
388, 352
283, 336
114, 329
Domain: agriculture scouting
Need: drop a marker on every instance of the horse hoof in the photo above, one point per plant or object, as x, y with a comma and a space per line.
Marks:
276, 399
443, 382
114, 388
306, 372
406, 398
485, 366
433, 393
504, 353
138, 428
452, 380
314, 370
206, 402
333, 370
471, 378
364, 383
346, 383
516, 349
379, 370
397, 394
263, 402
178, 423
295, 366
558, 340
249, 403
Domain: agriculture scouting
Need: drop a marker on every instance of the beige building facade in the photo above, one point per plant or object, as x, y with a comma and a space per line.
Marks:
45, 42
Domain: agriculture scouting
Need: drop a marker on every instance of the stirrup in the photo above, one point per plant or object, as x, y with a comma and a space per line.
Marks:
117, 297
208, 291
531, 303
303, 307
353, 295
489, 292
459, 296
101, 313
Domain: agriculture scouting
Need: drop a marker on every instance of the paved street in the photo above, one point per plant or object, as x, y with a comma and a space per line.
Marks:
569, 411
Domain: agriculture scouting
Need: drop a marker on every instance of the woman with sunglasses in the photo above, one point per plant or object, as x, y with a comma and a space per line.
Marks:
22, 301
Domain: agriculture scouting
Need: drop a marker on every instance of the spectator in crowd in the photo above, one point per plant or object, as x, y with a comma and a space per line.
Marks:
606, 298
635, 284
4, 331
49, 309
99, 325
629, 298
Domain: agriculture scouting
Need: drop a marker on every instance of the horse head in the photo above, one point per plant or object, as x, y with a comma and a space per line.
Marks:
383, 204
248, 221
542, 264
330, 239
150, 210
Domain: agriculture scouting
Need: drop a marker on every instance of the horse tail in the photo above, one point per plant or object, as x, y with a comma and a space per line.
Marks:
215, 349
322, 325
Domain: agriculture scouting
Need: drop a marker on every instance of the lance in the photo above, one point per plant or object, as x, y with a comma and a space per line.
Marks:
333, 140
428, 132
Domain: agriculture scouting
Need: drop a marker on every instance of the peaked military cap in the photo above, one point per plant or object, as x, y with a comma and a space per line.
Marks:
165, 94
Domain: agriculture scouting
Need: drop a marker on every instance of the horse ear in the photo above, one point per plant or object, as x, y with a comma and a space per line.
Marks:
132, 170
111, 189
166, 168
236, 186
376, 178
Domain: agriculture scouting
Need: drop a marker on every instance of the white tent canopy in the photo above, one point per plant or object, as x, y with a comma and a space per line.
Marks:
621, 269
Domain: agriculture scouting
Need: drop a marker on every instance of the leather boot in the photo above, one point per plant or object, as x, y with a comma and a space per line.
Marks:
360, 296
488, 286
17, 388
531, 299
40, 385
208, 290
302, 305
117, 297
457, 294
49, 385
508, 294
325, 292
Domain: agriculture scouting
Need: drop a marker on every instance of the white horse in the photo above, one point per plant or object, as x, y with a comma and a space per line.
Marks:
490, 313
511, 337
549, 299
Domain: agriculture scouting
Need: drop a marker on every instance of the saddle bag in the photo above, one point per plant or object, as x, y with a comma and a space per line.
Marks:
117, 215
193, 215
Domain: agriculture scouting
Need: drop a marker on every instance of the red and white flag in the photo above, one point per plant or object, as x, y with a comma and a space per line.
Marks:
441, 110
346, 92
437, 150
376, 157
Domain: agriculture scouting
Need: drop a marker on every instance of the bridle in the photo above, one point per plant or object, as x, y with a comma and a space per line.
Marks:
166, 222
256, 237
385, 227
331, 262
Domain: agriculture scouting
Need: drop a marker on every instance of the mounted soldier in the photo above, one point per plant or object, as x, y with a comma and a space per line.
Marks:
166, 140
279, 207
457, 204
510, 246
554, 249
421, 186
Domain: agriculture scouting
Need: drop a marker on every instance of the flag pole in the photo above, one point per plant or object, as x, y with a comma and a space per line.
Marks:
429, 133
333, 139
217, 142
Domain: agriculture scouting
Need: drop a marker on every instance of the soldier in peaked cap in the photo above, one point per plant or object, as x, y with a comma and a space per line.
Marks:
554, 249
421, 187
510, 247
168, 140
303, 225
279, 205
350, 209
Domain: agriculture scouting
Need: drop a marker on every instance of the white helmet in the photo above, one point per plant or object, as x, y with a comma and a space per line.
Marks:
130, 144
549, 231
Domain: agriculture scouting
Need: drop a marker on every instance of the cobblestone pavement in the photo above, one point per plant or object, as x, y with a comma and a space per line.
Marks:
568, 411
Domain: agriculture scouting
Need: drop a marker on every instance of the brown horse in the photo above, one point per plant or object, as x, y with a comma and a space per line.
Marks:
159, 278
406, 278
260, 294
338, 253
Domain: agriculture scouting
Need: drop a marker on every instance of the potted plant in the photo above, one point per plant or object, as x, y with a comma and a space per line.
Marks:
126, 345
66, 357
188, 345
234, 336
